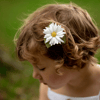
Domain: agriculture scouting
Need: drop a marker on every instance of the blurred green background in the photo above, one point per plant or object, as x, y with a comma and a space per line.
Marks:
16, 82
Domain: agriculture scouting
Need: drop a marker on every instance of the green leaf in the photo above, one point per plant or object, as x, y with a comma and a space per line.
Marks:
64, 39
47, 44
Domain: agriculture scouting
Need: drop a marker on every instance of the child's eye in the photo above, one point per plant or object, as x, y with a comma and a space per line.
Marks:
42, 69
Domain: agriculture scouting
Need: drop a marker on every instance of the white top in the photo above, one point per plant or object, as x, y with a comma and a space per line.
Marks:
55, 96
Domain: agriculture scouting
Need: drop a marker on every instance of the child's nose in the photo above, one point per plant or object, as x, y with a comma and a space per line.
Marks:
36, 75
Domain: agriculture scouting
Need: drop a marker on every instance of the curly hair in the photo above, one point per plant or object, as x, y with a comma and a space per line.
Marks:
82, 35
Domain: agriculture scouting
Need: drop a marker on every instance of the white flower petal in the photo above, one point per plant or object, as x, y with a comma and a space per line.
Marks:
46, 31
47, 35
61, 36
52, 42
56, 41
53, 27
59, 28
60, 33
59, 40
48, 39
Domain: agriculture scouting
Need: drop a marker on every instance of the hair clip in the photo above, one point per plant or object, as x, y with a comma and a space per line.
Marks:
54, 34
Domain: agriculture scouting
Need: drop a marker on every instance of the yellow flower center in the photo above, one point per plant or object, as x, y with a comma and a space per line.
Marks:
53, 34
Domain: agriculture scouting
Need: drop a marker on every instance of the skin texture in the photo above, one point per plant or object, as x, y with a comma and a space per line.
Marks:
49, 75
70, 82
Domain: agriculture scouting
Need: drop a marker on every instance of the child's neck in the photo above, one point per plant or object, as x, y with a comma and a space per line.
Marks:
84, 78
85, 82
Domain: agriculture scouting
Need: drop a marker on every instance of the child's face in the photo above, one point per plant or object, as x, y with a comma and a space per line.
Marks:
45, 72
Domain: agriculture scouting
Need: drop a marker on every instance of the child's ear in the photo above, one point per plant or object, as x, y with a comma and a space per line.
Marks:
60, 62
58, 71
59, 67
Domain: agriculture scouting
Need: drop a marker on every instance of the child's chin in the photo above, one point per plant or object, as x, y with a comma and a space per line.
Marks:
45, 83
54, 87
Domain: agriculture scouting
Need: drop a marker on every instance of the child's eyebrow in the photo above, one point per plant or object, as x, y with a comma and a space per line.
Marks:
40, 65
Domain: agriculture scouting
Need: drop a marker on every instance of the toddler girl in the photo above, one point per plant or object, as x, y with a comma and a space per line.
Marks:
60, 41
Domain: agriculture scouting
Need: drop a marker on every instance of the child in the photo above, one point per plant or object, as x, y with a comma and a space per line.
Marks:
60, 41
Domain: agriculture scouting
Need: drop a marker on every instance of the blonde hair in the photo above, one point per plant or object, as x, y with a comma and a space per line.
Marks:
82, 38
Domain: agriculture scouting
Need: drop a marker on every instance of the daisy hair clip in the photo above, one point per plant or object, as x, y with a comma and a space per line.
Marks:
54, 34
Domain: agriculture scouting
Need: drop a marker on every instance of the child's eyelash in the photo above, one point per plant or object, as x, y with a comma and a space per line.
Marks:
42, 69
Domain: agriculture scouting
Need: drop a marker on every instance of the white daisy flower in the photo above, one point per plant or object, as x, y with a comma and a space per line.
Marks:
54, 34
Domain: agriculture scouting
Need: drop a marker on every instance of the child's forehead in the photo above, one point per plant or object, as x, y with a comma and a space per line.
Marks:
42, 59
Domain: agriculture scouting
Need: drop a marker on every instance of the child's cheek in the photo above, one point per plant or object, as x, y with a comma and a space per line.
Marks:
54, 78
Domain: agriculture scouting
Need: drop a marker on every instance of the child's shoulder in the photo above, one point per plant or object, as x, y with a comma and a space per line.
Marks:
43, 92
98, 75
98, 71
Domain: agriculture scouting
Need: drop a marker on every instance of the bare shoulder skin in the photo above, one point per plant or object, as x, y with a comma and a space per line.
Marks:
43, 92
